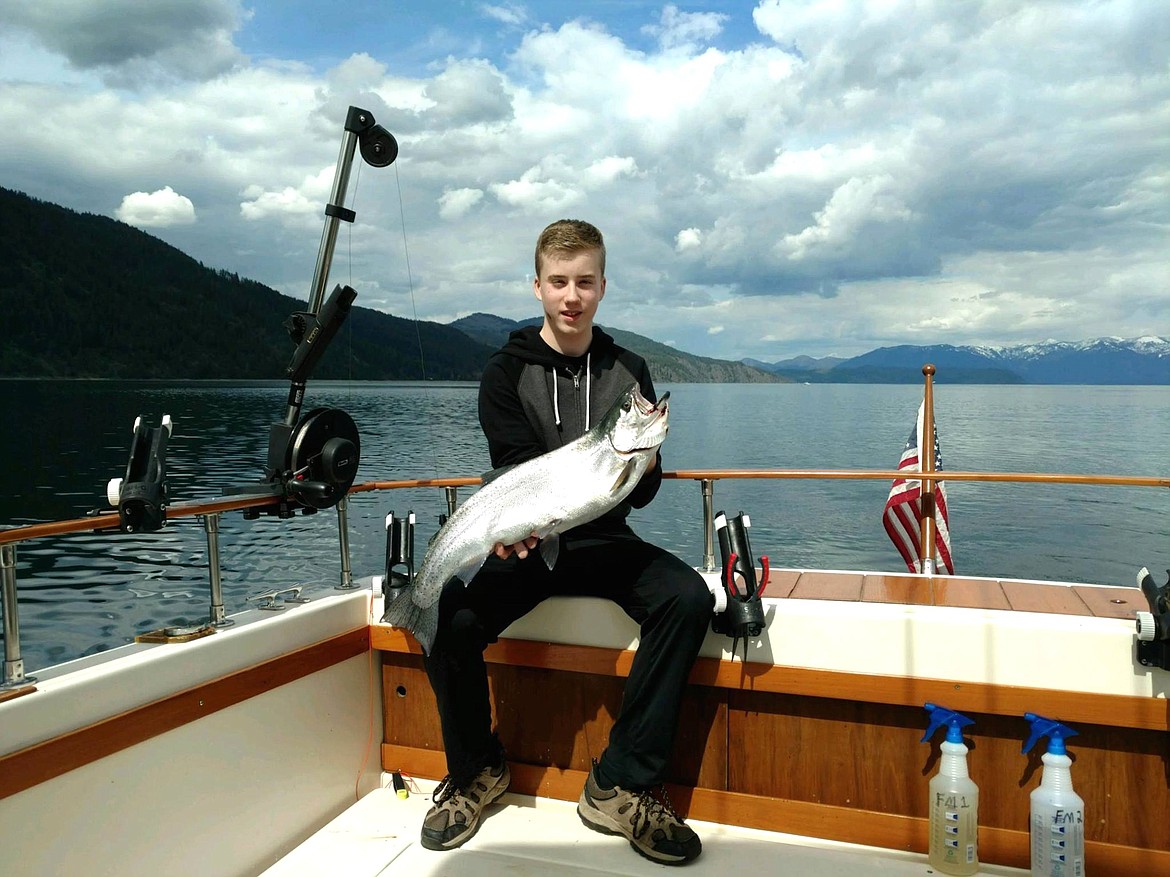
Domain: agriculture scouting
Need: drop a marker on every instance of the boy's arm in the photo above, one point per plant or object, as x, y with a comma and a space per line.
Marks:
510, 436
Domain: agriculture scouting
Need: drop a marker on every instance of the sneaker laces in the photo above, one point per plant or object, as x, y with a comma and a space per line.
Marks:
652, 804
447, 789
444, 790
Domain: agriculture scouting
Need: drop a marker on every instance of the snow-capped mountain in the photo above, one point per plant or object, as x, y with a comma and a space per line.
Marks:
1144, 360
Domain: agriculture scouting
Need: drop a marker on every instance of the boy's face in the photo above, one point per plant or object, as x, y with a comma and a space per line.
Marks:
570, 289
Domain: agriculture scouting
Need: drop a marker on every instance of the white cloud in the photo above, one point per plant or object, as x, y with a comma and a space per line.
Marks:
291, 204
536, 192
456, 202
609, 169
688, 239
853, 205
685, 30
159, 209
469, 92
511, 14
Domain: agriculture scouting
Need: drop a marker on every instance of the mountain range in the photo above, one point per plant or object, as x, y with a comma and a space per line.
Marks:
669, 366
1100, 361
86, 296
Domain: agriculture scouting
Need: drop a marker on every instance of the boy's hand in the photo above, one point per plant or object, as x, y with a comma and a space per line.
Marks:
521, 549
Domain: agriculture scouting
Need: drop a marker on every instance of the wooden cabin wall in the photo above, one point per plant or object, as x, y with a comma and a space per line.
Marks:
824, 751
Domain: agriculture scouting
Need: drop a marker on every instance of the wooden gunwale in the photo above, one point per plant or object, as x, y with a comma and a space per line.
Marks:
44, 761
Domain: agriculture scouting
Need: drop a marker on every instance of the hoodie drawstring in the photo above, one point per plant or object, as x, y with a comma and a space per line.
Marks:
556, 404
588, 382
588, 388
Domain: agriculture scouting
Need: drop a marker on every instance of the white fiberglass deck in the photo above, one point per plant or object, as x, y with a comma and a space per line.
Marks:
378, 837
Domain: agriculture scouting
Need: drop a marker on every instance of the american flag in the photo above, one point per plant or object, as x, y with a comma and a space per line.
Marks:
904, 508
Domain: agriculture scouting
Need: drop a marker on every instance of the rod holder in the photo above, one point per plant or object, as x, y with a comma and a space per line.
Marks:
218, 616
708, 487
347, 583
13, 663
452, 499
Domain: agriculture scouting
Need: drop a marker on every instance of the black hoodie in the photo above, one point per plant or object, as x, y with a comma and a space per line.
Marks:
533, 399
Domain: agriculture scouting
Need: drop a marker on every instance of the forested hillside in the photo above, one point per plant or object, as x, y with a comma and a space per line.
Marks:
88, 296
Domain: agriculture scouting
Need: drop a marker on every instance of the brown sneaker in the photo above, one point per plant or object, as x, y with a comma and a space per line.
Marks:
455, 816
646, 820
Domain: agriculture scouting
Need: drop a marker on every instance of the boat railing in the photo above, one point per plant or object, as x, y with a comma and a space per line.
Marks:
210, 512
708, 477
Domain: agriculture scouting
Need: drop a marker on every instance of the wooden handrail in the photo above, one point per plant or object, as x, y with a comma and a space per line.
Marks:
108, 519
194, 508
945, 475
465, 481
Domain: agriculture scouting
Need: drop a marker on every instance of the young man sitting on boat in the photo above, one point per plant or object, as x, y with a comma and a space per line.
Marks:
537, 394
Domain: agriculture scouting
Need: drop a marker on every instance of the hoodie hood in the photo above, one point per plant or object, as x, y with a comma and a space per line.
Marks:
526, 345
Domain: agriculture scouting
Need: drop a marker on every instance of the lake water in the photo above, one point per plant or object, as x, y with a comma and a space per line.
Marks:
62, 441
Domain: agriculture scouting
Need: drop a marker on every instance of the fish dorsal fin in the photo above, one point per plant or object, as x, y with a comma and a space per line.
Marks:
550, 550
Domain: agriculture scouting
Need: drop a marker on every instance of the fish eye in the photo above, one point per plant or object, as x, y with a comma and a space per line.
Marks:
627, 405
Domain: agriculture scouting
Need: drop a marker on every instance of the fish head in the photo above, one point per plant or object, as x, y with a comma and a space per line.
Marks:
634, 424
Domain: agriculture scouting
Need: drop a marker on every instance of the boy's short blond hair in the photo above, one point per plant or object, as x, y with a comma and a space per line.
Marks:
567, 237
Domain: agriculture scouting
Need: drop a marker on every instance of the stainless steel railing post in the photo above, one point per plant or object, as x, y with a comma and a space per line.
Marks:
211, 526
343, 537
13, 663
708, 487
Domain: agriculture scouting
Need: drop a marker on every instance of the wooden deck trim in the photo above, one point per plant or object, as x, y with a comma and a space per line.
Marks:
807, 819
13, 693
44, 761
1122, 711
1010, 595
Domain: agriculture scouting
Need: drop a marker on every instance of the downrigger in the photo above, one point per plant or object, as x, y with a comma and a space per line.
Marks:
313, 458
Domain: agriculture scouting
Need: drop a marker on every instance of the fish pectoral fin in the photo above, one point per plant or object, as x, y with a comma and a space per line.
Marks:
550, 550
467, 572
623, 476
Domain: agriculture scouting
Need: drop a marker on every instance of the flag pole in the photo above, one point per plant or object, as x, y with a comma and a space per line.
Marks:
926, 464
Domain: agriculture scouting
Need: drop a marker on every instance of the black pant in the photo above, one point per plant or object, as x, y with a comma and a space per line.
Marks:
668, 599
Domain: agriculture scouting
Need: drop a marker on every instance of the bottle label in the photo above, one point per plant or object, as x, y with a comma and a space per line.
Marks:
1058, 842
954, 832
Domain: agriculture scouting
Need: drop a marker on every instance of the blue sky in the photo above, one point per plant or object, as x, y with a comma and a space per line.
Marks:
774, 178
413, 38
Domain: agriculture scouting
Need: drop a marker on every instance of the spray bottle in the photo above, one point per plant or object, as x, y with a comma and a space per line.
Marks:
954, 799
1057, 813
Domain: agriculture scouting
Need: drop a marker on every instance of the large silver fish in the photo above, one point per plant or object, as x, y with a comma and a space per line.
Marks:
545, 497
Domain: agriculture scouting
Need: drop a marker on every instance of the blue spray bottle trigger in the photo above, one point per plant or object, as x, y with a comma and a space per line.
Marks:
1050, 728
954, 721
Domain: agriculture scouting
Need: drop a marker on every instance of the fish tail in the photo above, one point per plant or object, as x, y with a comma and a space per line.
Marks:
422, 621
